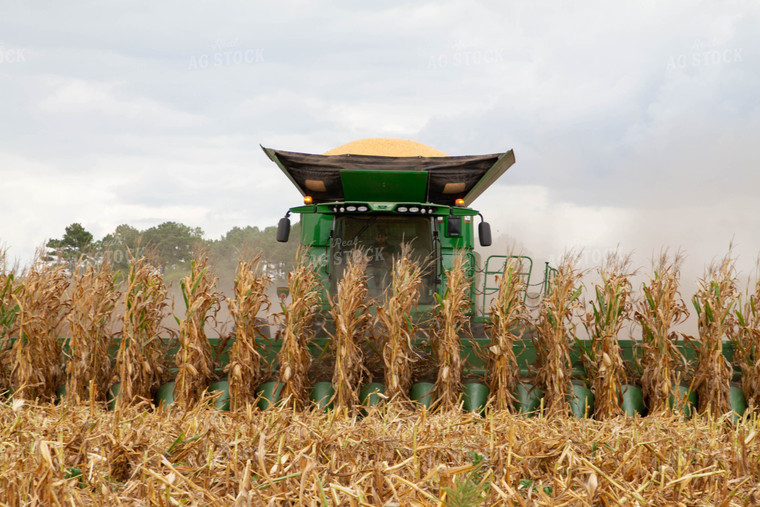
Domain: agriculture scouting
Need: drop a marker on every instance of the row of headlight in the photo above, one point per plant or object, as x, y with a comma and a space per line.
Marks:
415, 209
351, 208
401, 208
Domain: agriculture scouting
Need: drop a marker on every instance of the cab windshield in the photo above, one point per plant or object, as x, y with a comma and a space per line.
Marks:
382, 237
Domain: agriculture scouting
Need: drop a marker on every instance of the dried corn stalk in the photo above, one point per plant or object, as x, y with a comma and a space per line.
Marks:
509, 315
298, 319
93, 300
610, 309
37, 369
8, 312
140, 360
746, 341
452, 309
250, 299
555, 335
658, 313
395, 317
195, 360
350, 313
715, 302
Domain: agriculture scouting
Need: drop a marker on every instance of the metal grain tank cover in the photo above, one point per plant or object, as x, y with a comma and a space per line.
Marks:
334, 178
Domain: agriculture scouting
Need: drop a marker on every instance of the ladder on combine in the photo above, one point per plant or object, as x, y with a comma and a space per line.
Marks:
494, 267
549, 274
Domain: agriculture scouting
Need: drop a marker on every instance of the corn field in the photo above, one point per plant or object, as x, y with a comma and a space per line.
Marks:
83, 423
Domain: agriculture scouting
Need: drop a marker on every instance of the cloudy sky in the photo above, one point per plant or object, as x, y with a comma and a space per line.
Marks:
633, 123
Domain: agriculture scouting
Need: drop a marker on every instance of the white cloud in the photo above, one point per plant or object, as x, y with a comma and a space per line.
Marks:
77, 96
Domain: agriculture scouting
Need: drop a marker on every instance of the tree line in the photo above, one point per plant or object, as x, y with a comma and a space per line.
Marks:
170, 247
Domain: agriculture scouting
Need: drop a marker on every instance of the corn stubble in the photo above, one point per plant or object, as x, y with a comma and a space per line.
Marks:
37, 368
447, 343
298, 318
610, 310
715, 303
508, 314
350, 313
556, 334
140, 360
244, 368
69, 455
658, 312
94, 295
395, 318
195, 359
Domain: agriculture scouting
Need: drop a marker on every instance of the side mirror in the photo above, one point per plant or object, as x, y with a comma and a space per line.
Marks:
454, 226
484, 233
283, 230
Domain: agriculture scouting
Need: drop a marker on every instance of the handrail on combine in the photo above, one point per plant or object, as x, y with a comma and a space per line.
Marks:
489, 270
549, 274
